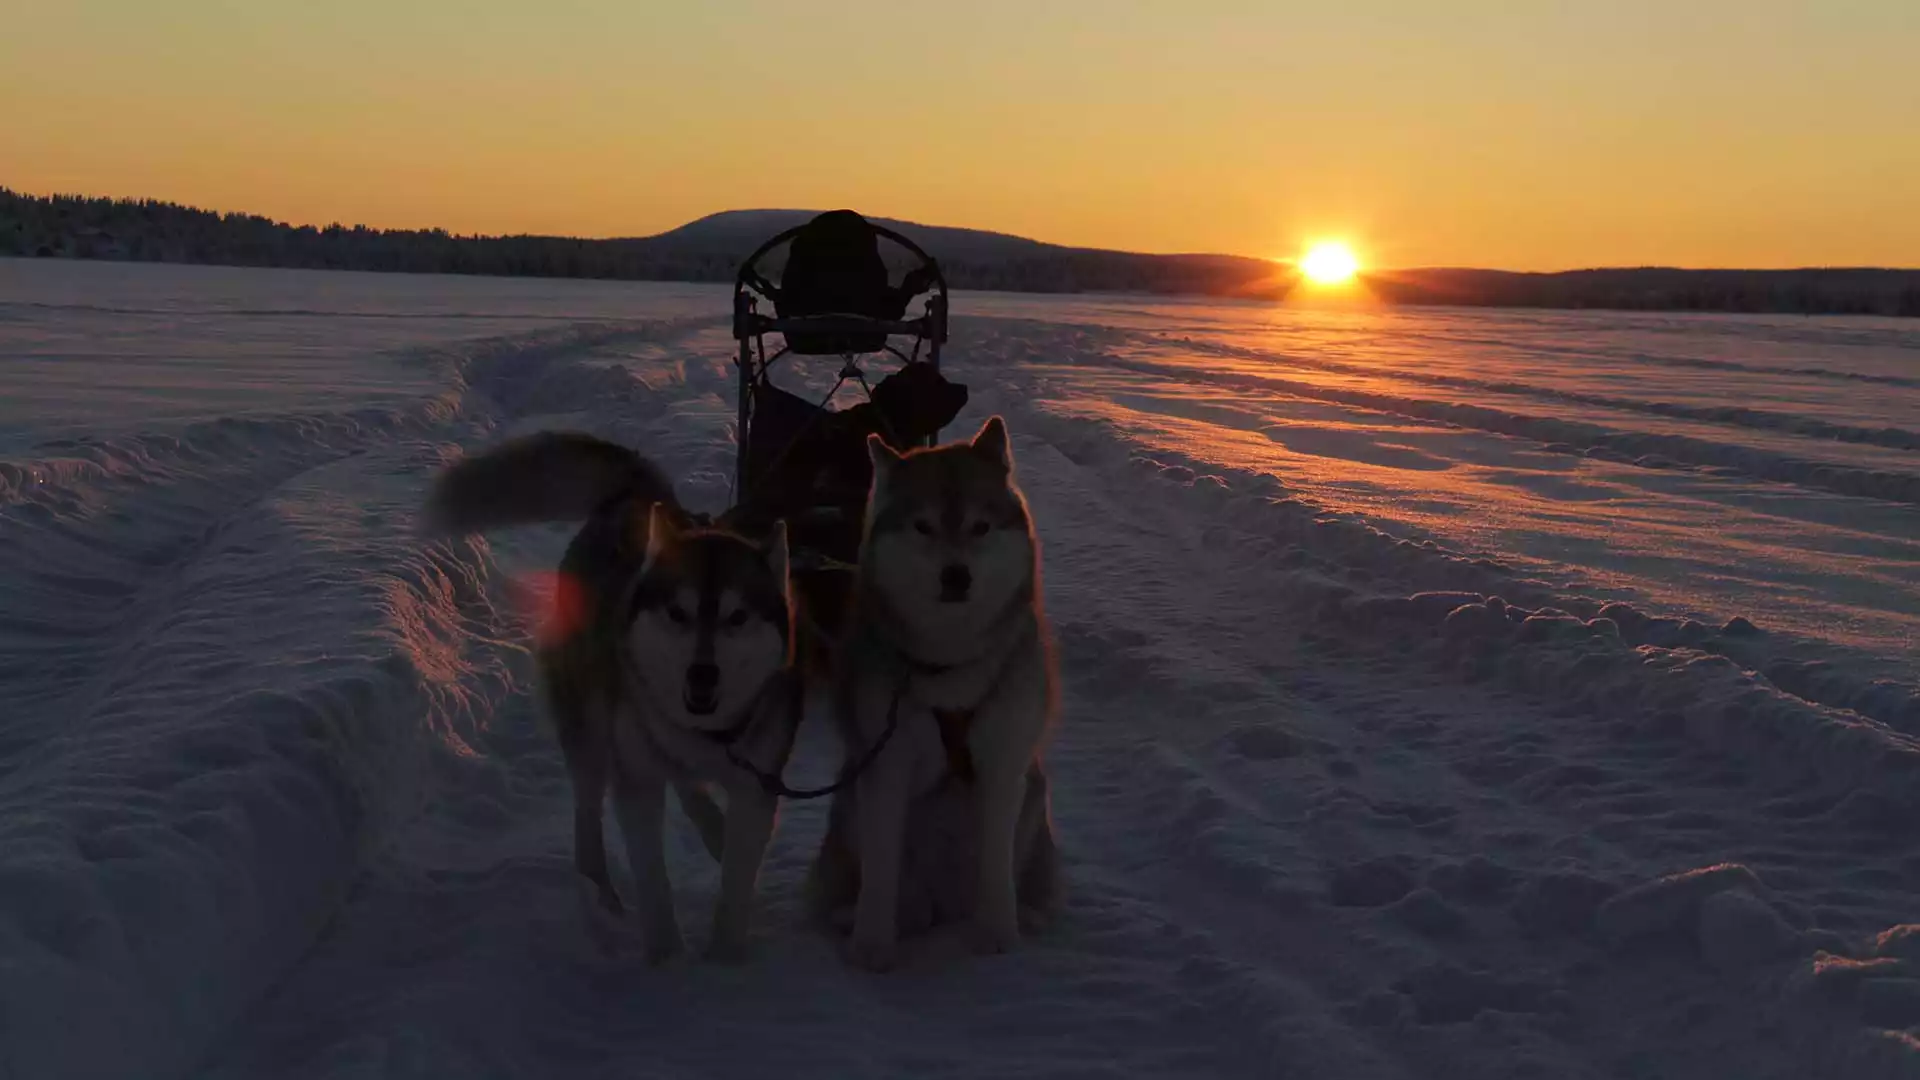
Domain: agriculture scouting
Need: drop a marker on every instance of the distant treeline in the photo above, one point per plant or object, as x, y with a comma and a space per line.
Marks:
148, 230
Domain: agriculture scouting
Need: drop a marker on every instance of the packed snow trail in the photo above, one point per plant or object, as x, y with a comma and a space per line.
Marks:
278, 800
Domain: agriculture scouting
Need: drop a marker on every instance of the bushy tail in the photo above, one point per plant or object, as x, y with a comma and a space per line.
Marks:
551, 476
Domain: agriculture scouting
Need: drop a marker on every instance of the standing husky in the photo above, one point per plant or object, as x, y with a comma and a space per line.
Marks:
948, 657
678, 673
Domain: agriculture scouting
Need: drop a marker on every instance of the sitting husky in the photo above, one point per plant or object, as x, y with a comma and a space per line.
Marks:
680, 672
946, 664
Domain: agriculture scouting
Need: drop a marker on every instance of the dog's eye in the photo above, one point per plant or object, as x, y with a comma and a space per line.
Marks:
980, 528
678, 614
923, 526
737, 620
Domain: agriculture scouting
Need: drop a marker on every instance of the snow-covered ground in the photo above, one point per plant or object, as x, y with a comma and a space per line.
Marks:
1418, 668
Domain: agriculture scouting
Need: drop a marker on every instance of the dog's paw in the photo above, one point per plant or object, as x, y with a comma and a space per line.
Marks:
726, 950
991, 937
1034, 920
871, 953
840, 920
664, 946
599, 905
610, 931
595, 896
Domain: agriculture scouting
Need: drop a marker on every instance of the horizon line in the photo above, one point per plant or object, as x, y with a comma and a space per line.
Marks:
629, 237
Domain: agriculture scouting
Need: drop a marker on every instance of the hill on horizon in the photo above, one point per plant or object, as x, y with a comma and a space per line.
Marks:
747, 229
710, 249
707, 249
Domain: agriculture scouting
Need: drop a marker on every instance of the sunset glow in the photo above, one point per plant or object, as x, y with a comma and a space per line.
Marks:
1330, 263
1514, 136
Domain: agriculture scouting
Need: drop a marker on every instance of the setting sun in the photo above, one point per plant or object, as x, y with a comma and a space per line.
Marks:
1329, 263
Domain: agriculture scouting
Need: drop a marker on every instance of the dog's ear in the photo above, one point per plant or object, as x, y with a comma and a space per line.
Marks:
992, 443
776, 548
884, 457
662, 532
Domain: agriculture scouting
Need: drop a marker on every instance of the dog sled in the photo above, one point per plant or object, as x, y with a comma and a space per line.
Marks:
827, 290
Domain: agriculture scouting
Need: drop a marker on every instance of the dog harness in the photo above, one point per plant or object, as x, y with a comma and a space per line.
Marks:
956, 724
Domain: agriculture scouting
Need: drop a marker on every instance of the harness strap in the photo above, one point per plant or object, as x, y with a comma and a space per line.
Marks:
954, 727
774, 784
954, 724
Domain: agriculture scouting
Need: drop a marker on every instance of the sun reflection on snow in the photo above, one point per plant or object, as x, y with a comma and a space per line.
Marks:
1428, 425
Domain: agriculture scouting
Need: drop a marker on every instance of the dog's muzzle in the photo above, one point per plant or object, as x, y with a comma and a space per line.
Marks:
701, 694
956, 581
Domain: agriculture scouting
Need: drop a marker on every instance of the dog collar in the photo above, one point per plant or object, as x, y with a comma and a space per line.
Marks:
922, 667
1015, 608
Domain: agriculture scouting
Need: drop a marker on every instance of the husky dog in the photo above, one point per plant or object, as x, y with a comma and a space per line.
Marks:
678, 673
947, 659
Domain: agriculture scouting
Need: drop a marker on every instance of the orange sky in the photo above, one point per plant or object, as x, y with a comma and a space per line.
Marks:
1527, 135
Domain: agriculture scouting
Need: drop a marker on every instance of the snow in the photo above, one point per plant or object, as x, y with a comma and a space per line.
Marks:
1447, 694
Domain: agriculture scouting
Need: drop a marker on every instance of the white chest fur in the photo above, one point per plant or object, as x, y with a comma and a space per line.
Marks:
650, 745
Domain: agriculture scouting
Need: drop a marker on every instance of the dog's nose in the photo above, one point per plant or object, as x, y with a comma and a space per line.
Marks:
703, 678
955, 578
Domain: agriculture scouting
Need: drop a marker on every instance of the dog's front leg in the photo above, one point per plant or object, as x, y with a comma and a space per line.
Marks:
1035, 858
998, 794
749, 826
1006, 732
640, 802
881, 794
589, 836
580, 725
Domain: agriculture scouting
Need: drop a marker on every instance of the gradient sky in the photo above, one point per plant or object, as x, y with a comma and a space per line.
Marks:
1532, 134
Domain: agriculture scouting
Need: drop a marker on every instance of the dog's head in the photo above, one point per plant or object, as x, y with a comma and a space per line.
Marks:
949, 540
709, 619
